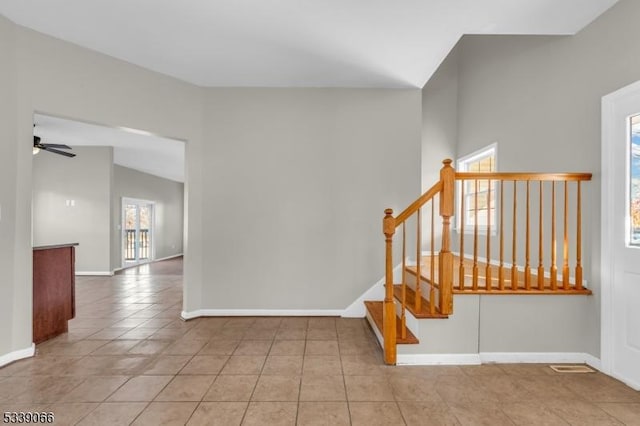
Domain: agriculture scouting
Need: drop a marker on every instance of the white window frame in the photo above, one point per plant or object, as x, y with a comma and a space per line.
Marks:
462, 166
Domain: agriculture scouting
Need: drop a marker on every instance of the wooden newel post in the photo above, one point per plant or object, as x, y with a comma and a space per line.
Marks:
389, 312
445, 260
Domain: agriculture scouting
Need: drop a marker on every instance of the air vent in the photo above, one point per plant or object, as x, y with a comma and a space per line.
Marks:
572, 369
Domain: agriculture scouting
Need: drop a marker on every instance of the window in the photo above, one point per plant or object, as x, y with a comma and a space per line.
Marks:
634, 181
479, 197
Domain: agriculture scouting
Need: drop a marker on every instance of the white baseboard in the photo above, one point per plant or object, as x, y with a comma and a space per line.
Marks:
95, 273
173, 256
438, 359
261, 313
17, 355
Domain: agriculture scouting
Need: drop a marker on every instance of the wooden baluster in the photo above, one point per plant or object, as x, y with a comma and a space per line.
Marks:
540, 245
565, 251
474, 281
527, 265
389, 313
501, 267
463, 213
403, 317
553, 272
487, 274
514, 265
418, 301
578, 285
445, 260
432, 272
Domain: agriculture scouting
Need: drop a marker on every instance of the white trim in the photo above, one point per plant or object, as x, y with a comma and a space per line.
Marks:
374, 327
626, 381
438, 359
173, 256
261, 313
95, 273
540, 358
17, 355
607, 253
376, 292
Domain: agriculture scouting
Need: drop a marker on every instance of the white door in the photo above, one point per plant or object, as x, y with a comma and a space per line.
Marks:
621, 235
137, 235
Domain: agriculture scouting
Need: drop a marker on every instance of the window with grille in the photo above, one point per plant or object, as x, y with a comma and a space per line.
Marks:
479, 202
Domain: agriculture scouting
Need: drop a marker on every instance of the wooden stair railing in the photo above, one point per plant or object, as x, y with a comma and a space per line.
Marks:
472, 276
442, 304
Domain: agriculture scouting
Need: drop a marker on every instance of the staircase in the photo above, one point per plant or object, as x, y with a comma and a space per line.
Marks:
535, 215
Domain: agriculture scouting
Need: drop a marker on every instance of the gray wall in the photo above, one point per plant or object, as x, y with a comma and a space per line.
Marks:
169, 202
297, 182
86, 179
15, 295
539, 97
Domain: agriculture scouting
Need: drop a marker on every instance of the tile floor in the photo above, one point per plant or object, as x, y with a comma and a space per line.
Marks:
129, 359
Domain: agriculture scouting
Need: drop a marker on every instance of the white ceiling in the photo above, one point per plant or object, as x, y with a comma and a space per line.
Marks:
293, 43
131, 148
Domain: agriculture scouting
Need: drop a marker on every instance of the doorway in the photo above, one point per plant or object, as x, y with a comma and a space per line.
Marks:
621, 235
137, 231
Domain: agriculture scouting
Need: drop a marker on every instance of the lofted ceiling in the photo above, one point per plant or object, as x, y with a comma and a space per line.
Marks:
132, 148
293, 43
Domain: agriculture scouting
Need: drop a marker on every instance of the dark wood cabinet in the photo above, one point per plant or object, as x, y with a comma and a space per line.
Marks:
53, 290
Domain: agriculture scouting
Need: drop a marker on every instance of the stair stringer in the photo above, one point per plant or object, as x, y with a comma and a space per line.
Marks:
375, 292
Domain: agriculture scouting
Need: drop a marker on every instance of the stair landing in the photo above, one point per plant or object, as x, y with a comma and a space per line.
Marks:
494, 288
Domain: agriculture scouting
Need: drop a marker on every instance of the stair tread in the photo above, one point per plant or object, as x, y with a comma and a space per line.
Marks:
375, 309
425, 273
410, 298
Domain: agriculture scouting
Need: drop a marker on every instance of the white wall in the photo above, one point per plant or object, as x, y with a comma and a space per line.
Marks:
297, 182
168, 196
87, 180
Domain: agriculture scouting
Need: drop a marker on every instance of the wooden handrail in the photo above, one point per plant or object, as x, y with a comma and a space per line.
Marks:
424, 198
545, 177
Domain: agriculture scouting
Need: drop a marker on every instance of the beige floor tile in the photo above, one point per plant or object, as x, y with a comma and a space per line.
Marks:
140, 389
627, 413
322, 388
323, 414
113, 414
412, 388
219, 347
321, 365
166, 413
205, 364
271, 413
291, 334
47, 389
579, 412
253, 347
375, 414
531, 414
486, 414
368, 388
287, 347
283, 366
166, 364
185, 347
259, 334
149, 347
362, 365
95, 389
322, 334
232, 388
277, 388
243, 364
69, 413
186, 388
116, 347
322, 347
420, 413
218, 414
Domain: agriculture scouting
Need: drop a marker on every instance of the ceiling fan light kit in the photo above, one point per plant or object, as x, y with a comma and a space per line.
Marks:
51, 147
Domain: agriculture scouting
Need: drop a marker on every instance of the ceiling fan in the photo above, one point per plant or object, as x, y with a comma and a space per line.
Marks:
51, 147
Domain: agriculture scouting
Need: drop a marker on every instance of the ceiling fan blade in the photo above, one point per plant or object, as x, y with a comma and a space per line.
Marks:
56, 145
55, 151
